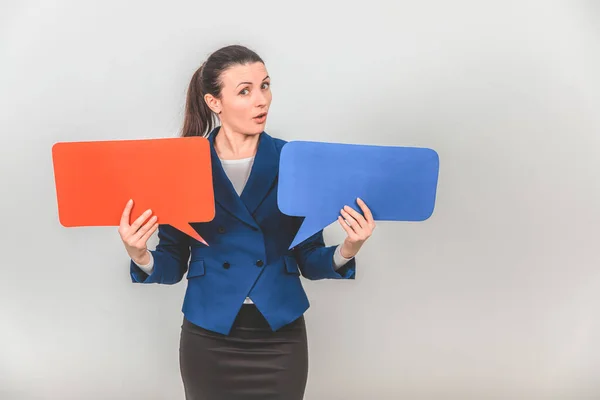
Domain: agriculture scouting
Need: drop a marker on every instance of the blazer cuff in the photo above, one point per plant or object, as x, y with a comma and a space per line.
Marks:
345, 271
148, 268
142, 273
338, 259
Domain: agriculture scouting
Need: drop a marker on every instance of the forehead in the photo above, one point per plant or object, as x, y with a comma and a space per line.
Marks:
237, 73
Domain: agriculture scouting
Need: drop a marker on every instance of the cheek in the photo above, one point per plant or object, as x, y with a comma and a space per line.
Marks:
239, 105
240, 116
236, 110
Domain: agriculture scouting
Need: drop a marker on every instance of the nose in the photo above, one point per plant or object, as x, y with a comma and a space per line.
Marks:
261, 99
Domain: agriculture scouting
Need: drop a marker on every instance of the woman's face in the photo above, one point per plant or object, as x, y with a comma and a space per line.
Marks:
245, 98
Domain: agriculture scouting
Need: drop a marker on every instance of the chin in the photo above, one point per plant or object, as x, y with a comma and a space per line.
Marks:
249, 129
256, 129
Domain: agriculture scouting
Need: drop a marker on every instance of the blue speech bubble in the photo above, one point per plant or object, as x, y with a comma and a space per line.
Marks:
317, 179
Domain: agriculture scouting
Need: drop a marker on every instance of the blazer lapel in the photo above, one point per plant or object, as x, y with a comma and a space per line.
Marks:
261, 179
225, 193
263, 173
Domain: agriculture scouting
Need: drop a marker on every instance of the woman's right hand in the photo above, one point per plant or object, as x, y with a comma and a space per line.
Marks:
136, 235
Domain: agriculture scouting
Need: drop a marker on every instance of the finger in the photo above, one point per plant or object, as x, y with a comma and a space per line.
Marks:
142, 231
351, 221
347, 228
139, 221
126, 213
149, 233
357, 216
366, 211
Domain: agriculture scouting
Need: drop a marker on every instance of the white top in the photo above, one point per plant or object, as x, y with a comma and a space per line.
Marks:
238, 172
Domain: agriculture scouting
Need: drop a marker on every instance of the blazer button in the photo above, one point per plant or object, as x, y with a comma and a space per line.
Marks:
221, 229
226, 265
260, 263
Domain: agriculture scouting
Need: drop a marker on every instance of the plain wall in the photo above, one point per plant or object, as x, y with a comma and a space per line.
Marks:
496, 296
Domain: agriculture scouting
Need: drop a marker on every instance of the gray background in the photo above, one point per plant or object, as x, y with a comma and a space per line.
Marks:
497, 296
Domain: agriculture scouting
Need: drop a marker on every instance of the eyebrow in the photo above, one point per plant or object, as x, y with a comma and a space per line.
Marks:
250, 83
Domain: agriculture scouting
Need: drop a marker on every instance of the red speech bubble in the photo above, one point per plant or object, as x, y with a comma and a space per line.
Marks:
171, 176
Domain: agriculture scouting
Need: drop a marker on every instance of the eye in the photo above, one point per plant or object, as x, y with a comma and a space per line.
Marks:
266, 85
244, 91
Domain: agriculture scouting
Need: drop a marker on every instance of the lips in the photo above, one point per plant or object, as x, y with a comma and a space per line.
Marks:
260, 118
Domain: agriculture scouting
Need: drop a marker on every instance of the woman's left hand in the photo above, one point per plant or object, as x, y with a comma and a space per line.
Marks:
359, 228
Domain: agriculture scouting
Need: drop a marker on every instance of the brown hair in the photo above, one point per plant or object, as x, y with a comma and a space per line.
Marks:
199, 119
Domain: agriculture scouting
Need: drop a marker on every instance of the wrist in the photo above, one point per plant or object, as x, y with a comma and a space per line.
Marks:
347, 250
142, 259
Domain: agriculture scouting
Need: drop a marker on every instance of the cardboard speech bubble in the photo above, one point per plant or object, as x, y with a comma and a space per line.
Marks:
317, 179
171, 176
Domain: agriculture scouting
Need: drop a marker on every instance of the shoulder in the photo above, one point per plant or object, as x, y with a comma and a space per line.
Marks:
277, 142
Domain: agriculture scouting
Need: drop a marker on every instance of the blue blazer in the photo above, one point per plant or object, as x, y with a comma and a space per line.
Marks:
247, 254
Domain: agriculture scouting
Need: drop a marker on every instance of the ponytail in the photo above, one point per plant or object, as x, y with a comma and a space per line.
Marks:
199, 118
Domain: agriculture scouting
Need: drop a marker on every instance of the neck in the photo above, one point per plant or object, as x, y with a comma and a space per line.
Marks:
231, 145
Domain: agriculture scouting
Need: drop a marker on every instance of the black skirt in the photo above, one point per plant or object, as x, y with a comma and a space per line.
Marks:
252, 362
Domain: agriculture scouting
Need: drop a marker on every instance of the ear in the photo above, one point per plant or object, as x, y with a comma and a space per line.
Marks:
213, 103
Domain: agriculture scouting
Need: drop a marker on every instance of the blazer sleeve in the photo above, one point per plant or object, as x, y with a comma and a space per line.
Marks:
315, 260
170, 258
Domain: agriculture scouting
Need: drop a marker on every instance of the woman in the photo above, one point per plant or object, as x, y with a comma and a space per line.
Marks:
243, 334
